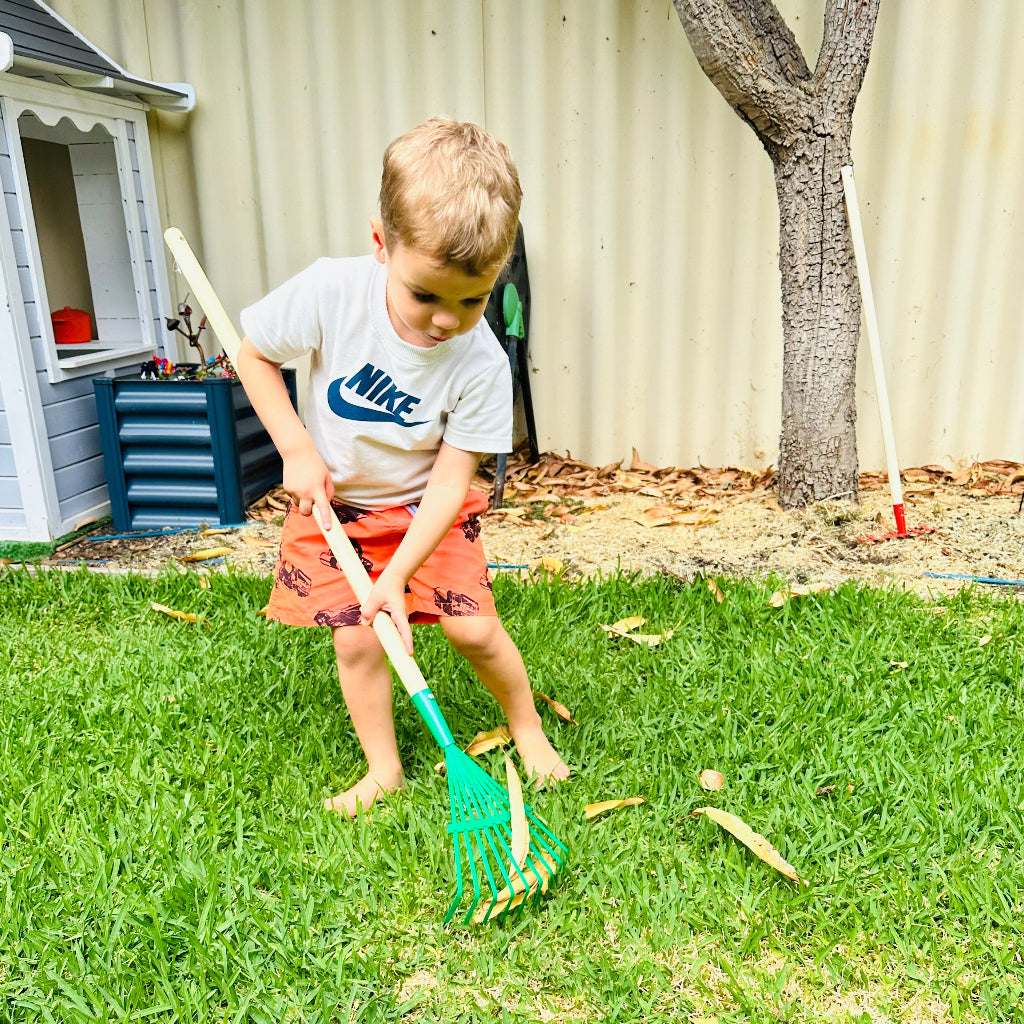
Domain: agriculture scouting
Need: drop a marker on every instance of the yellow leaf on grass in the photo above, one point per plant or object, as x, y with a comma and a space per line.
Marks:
780, 597
623, 626
624, 629
559, 709
550, 565
753, 841
519, 828
604, 806
484, 741
716, 590
173, 612
202, 556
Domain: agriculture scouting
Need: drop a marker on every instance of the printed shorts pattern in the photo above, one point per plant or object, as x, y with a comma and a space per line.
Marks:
310, 588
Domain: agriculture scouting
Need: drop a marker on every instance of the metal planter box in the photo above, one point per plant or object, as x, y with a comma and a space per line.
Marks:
182, 453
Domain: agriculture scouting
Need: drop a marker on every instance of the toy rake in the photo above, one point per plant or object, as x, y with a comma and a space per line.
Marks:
499, 843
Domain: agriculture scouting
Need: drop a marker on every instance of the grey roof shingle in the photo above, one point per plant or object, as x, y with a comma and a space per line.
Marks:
37, 34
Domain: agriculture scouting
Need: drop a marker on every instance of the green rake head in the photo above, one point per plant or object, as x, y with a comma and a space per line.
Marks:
482, 833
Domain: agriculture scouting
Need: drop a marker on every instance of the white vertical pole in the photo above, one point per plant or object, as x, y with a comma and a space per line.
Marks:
871, 324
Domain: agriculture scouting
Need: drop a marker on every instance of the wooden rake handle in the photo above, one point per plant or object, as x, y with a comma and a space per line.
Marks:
337, 540
387, 632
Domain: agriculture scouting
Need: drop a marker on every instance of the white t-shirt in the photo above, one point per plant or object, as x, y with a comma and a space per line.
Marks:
377, 407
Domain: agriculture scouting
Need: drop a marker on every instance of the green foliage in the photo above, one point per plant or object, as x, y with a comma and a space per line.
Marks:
165, 856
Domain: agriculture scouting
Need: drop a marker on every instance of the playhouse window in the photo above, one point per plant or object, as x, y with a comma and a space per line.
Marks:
83, 244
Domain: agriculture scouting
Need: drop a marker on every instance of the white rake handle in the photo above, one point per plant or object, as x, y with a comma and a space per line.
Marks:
874, 344
341, 547
387, 632
200, 286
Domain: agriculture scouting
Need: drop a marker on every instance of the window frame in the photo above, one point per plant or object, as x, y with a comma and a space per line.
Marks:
51, 104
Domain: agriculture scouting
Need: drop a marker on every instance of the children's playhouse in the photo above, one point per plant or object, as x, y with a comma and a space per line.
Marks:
83, 273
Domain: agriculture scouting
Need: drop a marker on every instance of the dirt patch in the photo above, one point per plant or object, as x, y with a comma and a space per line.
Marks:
563, 515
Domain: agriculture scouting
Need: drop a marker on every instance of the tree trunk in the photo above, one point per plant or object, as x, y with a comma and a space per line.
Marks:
804, 121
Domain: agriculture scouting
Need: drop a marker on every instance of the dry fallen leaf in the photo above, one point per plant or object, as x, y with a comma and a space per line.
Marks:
258, 542
213, 531
623, 626
716, 590
780, 597
711, 780
550, 565
559, 709
824, 790
538, 873
206, 553
604, 806
753, 841
173, 612
484, 741
985, 639
518, 825
82, 523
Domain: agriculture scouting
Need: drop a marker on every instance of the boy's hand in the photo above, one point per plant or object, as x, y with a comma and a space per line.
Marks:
307, 480
388, 595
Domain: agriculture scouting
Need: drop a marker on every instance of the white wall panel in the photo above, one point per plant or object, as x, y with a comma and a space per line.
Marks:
650, 210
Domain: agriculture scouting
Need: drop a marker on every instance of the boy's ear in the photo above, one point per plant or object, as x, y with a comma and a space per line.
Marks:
377, 234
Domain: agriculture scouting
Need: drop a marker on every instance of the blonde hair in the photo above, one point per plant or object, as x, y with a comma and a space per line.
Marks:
450, 190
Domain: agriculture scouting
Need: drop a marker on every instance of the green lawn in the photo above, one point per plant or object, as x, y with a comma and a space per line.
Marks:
165, 856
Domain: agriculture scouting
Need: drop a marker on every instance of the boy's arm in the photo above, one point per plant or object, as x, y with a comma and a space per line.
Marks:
442, 500
306, 477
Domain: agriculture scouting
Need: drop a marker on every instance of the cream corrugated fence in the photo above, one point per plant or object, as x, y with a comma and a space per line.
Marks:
650, 211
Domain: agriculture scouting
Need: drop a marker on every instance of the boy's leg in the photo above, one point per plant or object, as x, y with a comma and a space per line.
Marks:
366, 686
494, 657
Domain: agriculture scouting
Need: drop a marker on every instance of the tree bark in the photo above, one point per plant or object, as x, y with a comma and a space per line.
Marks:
804, 120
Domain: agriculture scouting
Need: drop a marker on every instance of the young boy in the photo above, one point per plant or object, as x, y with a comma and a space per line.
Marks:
408, 386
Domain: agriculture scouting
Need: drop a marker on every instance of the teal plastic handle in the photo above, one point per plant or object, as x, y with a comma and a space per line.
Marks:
426, 704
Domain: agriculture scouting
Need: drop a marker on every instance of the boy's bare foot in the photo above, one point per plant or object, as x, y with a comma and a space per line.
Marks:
365, 793
540, 760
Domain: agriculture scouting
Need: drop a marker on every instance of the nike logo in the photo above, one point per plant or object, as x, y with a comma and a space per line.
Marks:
389, 403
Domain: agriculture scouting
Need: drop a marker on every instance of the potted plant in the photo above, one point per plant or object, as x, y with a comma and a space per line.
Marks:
182, 445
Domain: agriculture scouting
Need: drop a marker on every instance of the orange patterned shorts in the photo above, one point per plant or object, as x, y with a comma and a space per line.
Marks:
311, 590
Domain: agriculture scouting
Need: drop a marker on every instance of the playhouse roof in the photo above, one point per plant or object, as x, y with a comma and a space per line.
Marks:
34, 39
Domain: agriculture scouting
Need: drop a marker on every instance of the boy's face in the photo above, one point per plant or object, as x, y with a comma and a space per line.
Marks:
429, 302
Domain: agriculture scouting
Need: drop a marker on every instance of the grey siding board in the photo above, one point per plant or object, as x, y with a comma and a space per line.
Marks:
12, 519
72, 414
10, 494
64, 391
88, 501
76, 479
75, 446
7, 467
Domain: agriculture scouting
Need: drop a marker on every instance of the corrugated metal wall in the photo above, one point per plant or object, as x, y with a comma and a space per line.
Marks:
650, 212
